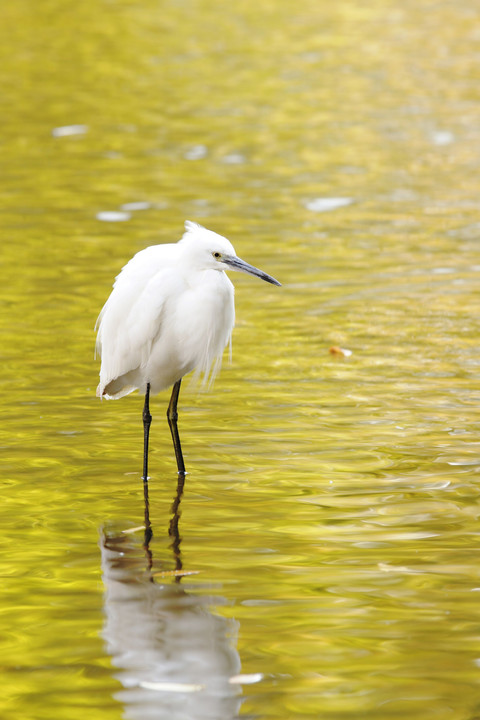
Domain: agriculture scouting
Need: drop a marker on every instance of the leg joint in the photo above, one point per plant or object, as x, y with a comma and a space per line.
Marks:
172, 415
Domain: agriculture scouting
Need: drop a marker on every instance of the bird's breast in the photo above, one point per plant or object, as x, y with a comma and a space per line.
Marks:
201, 324
205, 318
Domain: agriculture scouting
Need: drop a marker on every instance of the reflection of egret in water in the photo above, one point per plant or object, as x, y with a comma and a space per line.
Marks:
177, 659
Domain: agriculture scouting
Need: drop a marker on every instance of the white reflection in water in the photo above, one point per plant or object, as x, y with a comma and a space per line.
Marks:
176, 658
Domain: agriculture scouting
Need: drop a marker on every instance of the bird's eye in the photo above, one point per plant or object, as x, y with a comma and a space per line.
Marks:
217, 255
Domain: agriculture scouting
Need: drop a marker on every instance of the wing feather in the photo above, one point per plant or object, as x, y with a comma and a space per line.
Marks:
131, 320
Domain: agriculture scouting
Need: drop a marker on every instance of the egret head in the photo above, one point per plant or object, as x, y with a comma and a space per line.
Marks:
217, 253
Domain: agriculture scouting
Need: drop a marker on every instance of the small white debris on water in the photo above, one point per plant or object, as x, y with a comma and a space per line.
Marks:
325, 204
67, 130
234, 159
113, 216
135, 206
196, 152
443, 137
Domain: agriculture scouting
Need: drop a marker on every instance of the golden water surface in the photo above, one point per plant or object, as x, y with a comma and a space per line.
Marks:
322, 560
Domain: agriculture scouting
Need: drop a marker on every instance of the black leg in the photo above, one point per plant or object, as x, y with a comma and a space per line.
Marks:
148, 533
172, 417
147, 420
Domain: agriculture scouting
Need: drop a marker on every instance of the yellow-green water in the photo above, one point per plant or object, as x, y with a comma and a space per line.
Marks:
330, 513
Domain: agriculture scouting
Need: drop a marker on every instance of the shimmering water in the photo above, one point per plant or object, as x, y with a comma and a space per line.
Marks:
321, 560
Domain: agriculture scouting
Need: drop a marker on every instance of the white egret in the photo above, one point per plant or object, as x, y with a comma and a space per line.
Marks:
171, 311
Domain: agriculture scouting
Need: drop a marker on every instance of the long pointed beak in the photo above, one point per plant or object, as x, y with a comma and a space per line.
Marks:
235, 263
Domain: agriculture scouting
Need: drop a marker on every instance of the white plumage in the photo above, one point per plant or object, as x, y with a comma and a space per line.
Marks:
171, 311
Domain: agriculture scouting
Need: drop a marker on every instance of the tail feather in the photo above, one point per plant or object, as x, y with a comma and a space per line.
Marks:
118, 387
